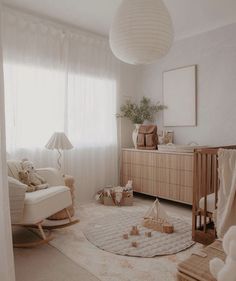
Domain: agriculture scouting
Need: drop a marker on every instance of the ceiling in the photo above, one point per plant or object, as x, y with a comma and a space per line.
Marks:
189, 17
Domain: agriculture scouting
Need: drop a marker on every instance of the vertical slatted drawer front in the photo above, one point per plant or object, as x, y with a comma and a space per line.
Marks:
161, 175
181, 177
166, 175
148, 173
186, 178
126, 166
136, 167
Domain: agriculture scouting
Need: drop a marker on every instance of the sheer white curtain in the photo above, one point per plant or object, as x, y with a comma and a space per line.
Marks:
91, 98
33, 54
57, 79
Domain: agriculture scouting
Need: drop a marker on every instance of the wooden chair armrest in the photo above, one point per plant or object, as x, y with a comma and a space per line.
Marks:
69, 181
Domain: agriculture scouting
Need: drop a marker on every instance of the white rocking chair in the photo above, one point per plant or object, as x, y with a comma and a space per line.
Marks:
31, 209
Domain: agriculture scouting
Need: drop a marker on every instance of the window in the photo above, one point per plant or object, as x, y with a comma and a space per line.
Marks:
40, 101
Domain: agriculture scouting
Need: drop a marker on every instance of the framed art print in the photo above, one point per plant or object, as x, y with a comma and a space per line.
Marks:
179, 95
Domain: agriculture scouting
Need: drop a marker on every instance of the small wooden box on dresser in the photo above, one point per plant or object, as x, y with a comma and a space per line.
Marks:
167, 175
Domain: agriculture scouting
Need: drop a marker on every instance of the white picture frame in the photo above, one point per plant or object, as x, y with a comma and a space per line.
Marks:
179, 95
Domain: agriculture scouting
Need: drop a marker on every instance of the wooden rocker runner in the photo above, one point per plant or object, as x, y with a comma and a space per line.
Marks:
44, 238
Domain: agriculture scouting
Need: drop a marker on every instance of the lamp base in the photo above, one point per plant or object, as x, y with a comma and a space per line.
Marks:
59, 159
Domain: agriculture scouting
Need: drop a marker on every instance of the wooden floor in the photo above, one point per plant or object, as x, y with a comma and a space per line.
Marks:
170, 206
46, 263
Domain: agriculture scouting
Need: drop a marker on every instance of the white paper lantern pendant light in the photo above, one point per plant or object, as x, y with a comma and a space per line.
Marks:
141, 32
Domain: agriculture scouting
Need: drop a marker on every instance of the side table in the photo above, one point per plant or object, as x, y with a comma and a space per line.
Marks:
196, 268
69, 182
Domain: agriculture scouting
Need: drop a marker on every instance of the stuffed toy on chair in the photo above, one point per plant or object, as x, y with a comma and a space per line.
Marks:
226, 271
30, 177
24, 178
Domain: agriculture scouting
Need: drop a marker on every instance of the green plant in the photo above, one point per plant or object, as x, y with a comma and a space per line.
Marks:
138, 113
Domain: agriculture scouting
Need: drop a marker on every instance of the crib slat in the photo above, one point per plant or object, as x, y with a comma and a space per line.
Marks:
205, 182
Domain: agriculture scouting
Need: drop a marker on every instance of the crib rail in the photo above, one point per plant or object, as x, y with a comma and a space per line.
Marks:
206, 182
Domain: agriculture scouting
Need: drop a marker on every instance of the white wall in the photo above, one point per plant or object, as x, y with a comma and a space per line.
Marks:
6, 254
129, 89
215, 54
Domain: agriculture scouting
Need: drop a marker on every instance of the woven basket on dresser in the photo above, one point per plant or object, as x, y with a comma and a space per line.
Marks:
69, 182
196, 268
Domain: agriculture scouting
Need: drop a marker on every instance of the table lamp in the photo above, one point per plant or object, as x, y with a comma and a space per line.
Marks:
60, 142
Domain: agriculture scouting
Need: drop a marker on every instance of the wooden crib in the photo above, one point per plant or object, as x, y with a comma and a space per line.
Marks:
205, 193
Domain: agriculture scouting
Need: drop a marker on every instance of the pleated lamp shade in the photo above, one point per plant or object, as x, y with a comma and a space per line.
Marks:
59, 141
141, 32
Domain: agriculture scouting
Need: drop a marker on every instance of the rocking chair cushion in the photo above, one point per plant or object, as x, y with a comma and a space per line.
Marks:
44, 203
210, 203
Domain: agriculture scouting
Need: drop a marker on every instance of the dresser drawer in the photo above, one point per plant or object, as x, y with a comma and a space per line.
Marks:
167, 175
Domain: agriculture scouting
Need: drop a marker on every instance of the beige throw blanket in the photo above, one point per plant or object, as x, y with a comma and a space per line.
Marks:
226, 209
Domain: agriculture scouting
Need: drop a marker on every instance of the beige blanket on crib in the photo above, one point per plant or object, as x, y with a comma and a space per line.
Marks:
226, 208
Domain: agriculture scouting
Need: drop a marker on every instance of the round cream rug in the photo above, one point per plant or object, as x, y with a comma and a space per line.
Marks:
107, 234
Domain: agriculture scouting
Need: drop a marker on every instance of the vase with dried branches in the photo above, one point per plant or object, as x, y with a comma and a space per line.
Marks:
145, 110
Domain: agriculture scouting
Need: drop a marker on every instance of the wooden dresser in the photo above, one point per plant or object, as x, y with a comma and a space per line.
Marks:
167, 175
